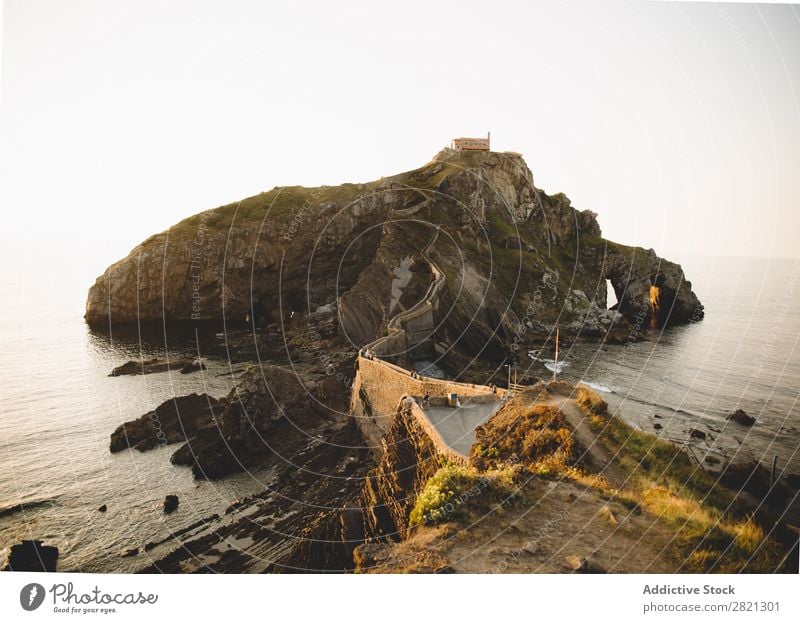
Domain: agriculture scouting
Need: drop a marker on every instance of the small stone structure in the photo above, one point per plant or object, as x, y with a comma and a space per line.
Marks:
472, 144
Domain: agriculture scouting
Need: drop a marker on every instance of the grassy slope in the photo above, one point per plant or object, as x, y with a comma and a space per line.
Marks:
712, 528
712, 531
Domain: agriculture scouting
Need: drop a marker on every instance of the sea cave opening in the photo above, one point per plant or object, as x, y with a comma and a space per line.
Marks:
662, 300
655, 305
611, 295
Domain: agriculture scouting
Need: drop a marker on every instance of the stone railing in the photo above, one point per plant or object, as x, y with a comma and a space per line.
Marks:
396, 341
379, 385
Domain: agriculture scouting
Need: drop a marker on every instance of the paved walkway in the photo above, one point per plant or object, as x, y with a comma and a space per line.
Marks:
457, 425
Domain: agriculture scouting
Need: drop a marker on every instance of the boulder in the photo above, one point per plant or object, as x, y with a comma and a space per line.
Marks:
169, 423
583, 564
194, 366
740, 417
102, 509
170, 504
695, 433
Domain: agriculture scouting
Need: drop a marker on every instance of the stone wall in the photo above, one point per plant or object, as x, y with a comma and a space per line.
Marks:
379, 386
410, 333
409, 457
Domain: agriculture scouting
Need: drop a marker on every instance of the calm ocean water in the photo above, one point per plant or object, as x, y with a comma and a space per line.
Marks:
59, 407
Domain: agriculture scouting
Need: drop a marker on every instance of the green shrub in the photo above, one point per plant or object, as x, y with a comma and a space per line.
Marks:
454, 491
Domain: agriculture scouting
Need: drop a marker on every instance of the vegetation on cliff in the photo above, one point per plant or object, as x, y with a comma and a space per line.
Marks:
714, 527
516, 260
531, 493
454, 491
524, 433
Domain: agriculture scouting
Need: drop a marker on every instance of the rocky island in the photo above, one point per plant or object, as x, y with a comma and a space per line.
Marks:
338, 295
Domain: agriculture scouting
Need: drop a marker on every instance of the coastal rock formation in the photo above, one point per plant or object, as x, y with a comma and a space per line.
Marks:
306, 519
408, 460
266, 402
170, 504
269, 407
150, 366
514, 260
32, 556
634, 273
740, 417
171, 422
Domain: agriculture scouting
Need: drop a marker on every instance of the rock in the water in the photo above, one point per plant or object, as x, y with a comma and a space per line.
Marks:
712, 460
657, 426
170, 503
195, 366
266, 398
740, 417
169, 423
695, 433
32, 556
102, 509
130, 552
151, 366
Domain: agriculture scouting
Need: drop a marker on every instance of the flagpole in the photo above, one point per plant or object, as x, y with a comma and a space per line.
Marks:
555, 365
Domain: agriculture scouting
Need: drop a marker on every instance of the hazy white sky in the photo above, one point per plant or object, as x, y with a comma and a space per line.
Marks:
678, 123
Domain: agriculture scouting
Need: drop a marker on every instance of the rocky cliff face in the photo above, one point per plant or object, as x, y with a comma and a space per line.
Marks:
517, 261
408, 460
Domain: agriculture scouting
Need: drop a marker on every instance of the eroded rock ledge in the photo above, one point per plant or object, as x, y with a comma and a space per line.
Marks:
227, 435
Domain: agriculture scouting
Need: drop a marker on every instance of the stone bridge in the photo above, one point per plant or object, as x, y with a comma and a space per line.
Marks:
380, 387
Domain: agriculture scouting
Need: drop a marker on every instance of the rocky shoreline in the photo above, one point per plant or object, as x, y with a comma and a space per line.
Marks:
501, 265
346, 519
185, 365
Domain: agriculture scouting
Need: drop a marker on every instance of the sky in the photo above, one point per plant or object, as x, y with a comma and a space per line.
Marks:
678, 123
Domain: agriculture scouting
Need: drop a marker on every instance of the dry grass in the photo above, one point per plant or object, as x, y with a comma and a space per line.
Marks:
714, 532
523, 433
591, 403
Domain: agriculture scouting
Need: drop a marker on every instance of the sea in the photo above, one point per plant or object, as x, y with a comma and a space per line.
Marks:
59, 405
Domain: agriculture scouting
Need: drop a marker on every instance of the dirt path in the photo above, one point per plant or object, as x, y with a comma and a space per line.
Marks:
558, 522
595, 454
